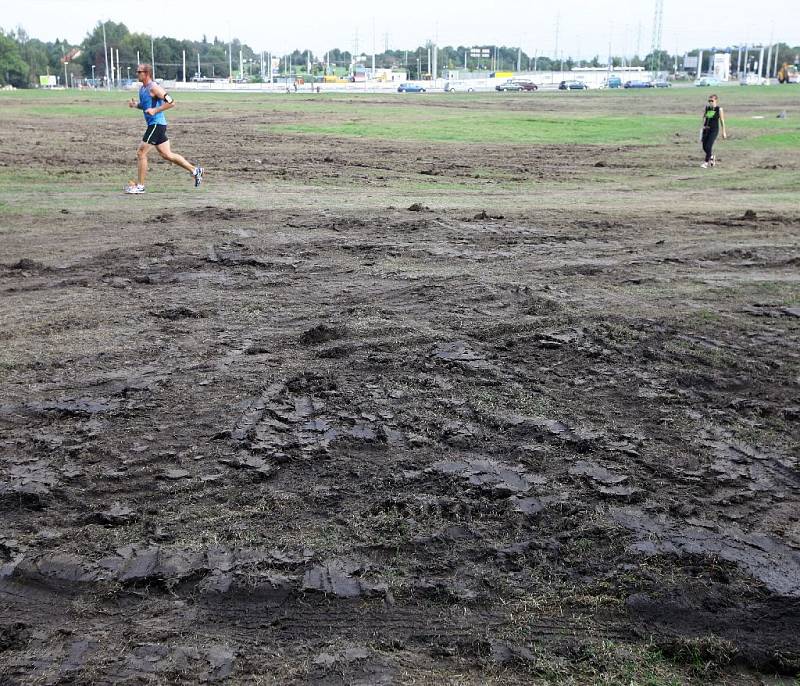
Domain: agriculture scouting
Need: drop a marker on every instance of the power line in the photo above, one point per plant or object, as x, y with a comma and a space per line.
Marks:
658, 25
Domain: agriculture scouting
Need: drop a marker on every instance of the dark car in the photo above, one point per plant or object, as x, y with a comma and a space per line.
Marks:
638, 84
528, 86
572, 86
410, 88
508, 86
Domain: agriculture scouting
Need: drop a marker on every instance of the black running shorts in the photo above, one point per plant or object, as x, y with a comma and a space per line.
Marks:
155, 134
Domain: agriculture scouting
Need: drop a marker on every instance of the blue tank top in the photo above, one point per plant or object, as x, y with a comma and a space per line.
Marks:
146, 101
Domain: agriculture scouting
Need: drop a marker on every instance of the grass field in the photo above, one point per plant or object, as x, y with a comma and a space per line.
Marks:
436, 389
656, 128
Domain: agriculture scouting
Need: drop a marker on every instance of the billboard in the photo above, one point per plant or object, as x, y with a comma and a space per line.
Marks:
722, 66
47, 81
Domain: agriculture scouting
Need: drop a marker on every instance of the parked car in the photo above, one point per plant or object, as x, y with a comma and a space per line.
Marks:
527, 86
410, 88
508, 86
612, 81
572, 86
661, 83
458, 87
707, 81
753, 80
638, 84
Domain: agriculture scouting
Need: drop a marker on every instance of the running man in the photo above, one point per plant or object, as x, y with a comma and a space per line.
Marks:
712, 118
154, 101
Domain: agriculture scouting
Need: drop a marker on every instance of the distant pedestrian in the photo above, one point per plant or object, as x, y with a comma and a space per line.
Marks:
154, 101
713, 119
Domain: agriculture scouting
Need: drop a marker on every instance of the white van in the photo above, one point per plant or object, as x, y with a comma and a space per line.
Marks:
458, 87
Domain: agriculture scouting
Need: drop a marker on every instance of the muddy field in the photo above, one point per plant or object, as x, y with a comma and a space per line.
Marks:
395, 413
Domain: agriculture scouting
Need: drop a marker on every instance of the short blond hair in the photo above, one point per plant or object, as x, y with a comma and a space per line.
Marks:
146, 68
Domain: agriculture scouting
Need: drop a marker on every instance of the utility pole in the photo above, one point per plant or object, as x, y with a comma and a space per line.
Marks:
111, 50
105, 55
119, 69
639, 39
241, 65
519, 59
198, 64
558, 22
153, 55
184, 66
655, 48
769, 54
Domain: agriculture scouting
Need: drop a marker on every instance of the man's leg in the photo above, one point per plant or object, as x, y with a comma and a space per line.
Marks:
166, 152
141, 158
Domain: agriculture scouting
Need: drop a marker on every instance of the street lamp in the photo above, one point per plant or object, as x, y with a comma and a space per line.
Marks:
93, 76
129, 73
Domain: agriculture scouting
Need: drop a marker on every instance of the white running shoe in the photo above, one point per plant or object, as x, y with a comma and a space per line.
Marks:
134, 188
713, 161
198, 176
704, 165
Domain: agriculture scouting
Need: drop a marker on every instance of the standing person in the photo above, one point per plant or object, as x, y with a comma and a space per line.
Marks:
154, 101
713, 117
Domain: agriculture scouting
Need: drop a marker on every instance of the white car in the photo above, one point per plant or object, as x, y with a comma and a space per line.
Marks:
458, 87
753, 80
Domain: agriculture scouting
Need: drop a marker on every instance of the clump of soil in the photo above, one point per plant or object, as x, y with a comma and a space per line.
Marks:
321, 333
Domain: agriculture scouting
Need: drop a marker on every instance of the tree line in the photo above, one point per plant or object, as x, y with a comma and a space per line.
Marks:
24, 59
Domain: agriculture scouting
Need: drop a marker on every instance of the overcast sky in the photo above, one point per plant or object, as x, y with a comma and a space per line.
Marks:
585, 27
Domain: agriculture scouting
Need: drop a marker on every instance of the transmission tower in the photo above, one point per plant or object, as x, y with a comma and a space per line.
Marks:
655, 48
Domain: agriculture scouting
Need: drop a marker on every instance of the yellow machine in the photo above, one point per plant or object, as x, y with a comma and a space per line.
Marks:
788, 73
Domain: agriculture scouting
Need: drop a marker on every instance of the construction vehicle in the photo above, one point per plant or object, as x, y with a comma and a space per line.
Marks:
789, 73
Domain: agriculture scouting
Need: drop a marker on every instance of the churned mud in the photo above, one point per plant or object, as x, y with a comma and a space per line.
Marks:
255, 444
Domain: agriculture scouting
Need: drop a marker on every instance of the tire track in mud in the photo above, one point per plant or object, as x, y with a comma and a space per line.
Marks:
439, 411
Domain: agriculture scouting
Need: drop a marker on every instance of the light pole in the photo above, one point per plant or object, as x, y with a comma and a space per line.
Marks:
129, 73
105, 56
93, 76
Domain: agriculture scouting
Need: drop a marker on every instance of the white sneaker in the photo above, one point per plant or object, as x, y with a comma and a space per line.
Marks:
704, 165
713, 161
134, 188
198, 175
